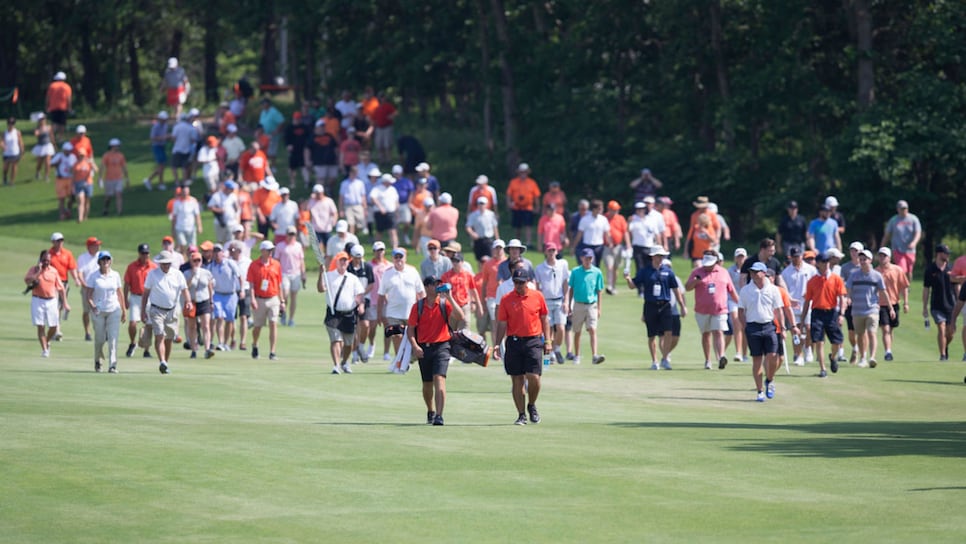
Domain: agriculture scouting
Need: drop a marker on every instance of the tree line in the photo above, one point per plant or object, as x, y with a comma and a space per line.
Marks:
751, 102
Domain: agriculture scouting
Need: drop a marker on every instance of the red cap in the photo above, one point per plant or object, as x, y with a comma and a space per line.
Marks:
297, 115
168, 239
195, 255
93, 241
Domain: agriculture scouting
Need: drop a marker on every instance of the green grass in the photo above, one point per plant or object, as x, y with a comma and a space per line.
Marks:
235, 450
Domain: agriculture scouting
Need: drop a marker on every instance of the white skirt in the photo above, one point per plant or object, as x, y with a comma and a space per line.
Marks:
46, 150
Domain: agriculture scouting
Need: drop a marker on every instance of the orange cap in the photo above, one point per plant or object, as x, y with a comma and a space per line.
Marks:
613, 205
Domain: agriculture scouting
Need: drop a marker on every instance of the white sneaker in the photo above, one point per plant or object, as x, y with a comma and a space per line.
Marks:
386, 357
862, 363
346, 368
707, 365
147, 184
738, 359
372, 351
45, 353
654, 366
335, 370
576, 359
809, 358
798, 361
355, 357
163, 187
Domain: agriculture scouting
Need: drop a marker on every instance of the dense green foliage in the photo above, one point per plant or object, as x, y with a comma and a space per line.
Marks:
751, 102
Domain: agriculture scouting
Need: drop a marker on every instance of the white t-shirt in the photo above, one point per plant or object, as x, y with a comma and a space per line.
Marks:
165, 288
184, 212
347, 296
759, 304
284, 215
337, 244
594, 229
234, 147
105, 288
231, 211
86, 264
552, 279
400, 289
208, 156
65, 164
349, 110
645, 229
483, 222
796, 280
385, 196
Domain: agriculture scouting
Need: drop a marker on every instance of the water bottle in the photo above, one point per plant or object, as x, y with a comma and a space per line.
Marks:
547, 360
926, 322
796, 339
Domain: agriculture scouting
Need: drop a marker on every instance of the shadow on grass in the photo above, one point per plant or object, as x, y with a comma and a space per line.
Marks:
838, 439
928, 382
949, 488
391, 424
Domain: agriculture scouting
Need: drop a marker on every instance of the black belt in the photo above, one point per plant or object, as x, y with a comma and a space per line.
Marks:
519, 338
554, 299
162, 307
225, 293
45, 298
585, 303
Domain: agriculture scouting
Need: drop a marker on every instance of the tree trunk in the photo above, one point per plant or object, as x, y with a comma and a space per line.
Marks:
177, 38
507, 86
9, 46
89, 62
267, 67
866, 73
134, 68
721, 71
211, 54
485, 76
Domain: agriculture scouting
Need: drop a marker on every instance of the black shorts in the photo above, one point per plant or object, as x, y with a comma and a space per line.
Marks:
884, 318
244, 307
781, 345
762, 339
524, 355
675, 325
435, 361
384, 221
848, 318
731, 327
657, 318
179, 160
202, 308
521, 218
57, 117
482, 247
323, 237
825, 323
296, 159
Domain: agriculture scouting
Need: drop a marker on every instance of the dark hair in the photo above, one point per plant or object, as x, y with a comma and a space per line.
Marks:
43, 254
766, 243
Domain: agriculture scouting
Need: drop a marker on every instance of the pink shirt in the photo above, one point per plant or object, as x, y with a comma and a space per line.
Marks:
442, 222
711, 291
551, 228
959, 266
377, 270
291, 257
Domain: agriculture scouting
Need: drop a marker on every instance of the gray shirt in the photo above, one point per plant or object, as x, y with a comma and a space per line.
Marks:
430, 268
901, 231
864, 291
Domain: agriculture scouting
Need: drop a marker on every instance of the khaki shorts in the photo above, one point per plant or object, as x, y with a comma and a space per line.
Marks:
584, 315
163, 322
866, 323
134, 308
354, 215
292, 283
335, 335
709, 323
267, 311
112, 188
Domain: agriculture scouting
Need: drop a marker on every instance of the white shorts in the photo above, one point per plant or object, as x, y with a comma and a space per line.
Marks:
184, 238
134, 308
384, 138
491, 308
44, 311
292, 283
709, 323
404, 215
112, 188
556, 313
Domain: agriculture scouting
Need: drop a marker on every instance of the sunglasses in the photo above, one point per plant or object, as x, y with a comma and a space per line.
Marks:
196, 260
397, 256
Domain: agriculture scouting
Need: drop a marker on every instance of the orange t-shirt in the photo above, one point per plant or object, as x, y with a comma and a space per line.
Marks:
257, 164
247, 213
59, 94
786, 303
481, 191
265, 278
83, 171
227, 119
618, 229
462, 282
81, 141
824, 291
333, 128
670, 222
693, 225
558, 198
245, 171
522, 313
305, 217
266, 200
369, 106
63, 261
895, 281
431, 328
702, 240
48, 283
523, 194
490, 276
135, 275
114, 164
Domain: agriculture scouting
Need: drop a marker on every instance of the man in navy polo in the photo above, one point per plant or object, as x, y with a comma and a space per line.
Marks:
658, 284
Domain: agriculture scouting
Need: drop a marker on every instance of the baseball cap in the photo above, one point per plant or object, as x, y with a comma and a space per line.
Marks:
266, 245
832, 202
885, 251
431, 280
163, 115
524, 167
645, 171
792, 204
809, 254
379, 246
858, 246
497, 243
397, 169
173, 62
481, 179
218, 247
587, 252
318, 188
429, 202
341, 226
231, 185
104, 255
237, 228
649, 200
339, 256
81, 129
207, 245
357, 250
759, 267
56, 236
822, 258
93, 241
60, 76
284, 191
232, 127
741, 251
67, 146
613, 205
387, 178
291, 230
866, 253
658, 250
422, 167
399, 251
445, 198
433, 243
520, 276
823, 208
902, 205
113, 142
144, 249
666, 200
709, 260
551, 245
833, 252
374, 172
795, 252
942, 248
194, 112
640, 205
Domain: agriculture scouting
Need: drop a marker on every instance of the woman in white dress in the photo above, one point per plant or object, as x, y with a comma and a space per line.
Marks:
12, 145
104, 294
44, 149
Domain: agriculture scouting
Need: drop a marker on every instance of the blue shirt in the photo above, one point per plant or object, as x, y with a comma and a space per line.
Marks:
657, 284
270, 119
404, 186
586, 284
824, 233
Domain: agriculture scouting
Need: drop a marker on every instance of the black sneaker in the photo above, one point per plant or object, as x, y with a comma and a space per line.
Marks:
87, 337
254, 352
194, 355
833, 363
130, 350
209, 354
147, 354
722, 362
187, 346
430, 417
163, 368
522, 420
112, 370
273, 357
438, 420
97, 366
534, 414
